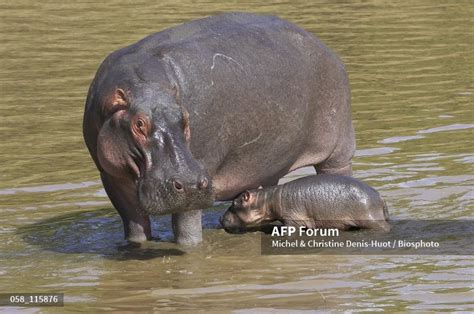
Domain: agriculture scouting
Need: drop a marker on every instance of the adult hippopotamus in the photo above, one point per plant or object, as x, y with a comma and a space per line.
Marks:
205, 110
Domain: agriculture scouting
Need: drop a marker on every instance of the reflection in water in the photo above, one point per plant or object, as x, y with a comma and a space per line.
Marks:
452, 127
410, 67
100, 232
48, 188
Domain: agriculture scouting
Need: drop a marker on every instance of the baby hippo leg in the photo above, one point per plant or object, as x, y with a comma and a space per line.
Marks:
377, 219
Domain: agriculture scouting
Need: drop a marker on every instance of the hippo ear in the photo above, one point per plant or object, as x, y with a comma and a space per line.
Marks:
246, 196
118, 101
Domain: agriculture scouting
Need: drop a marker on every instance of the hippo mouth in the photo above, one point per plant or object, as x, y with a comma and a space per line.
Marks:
231, 222
267, 228
160, 199
156, 209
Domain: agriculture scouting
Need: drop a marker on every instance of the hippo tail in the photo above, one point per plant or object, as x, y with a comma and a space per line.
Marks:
385, 209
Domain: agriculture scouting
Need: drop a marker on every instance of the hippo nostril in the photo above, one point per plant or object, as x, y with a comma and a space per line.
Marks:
178, 185
203, 183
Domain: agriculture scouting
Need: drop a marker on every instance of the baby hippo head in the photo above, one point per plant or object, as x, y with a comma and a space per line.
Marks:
249, 209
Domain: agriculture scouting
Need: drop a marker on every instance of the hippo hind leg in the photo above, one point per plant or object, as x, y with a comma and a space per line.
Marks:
382, 223
345, 170
340, 161
377, 225
378, 221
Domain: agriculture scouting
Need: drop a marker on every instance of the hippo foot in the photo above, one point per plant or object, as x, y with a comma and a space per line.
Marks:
137, 232
188, 241
138, 238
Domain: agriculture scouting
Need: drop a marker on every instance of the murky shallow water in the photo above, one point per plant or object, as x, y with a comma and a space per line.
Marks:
410, 67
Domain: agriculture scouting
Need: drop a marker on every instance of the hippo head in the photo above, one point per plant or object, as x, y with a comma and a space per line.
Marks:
144, 137
248, 210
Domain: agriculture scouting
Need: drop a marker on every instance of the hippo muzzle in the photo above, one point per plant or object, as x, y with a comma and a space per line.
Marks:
166, 194
231, 222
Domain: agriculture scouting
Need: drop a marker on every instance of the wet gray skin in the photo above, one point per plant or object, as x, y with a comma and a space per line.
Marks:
317, 201
205, 110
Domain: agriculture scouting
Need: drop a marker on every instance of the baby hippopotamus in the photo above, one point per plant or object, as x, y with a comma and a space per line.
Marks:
316, 201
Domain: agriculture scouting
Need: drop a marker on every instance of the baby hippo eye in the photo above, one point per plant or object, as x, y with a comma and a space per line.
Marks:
140, 124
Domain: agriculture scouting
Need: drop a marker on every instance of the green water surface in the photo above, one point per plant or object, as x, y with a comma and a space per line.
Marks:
411, 71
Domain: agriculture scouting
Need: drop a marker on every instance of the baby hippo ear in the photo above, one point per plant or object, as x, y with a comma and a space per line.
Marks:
246, 196
117, 101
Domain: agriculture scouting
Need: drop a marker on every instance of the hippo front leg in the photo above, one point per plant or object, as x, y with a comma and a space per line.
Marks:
136, 225
187, 227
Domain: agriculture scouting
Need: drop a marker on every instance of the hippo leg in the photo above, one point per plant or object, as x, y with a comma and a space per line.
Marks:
378, 225
136, 225
187, 227
343, 170
340, 161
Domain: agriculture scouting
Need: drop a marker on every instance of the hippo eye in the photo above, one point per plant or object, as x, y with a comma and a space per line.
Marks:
140, 126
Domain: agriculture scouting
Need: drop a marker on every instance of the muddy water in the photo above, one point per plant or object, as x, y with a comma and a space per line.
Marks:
411, 69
